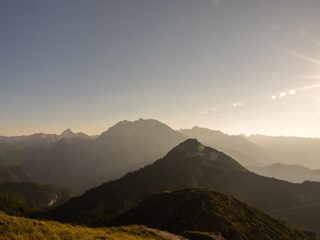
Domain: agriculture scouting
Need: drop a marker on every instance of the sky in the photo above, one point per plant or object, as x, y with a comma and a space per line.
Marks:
247, 66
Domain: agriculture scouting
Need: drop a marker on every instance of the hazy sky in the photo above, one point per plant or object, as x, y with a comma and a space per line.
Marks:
88, 64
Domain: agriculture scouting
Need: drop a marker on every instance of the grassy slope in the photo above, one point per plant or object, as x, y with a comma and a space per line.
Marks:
18, 228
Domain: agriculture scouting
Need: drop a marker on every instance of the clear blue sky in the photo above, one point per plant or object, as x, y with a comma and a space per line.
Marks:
88, 64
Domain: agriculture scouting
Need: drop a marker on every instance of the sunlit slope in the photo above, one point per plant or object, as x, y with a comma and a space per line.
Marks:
18, 228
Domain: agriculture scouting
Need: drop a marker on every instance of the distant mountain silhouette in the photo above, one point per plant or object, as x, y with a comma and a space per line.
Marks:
293, 173
290, 150
188, 165
78, 162
239, 148
139, 142
196, 213
69, 134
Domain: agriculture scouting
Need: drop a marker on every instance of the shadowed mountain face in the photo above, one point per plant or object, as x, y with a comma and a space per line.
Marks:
78, 162
203, 212
11, 153
239, 148
16, 205
138, 141
14, 174
290, 150
42, 196
189, 165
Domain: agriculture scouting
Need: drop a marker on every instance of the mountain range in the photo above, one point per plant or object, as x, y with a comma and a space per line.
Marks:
290, 172
79, 162
290, 150
131, 150
188, 165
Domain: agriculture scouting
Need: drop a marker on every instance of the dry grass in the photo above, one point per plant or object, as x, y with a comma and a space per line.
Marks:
18, 228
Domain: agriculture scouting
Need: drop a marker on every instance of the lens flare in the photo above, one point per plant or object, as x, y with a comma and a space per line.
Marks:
292, 92
308, 77
283, 94
301, 56
309, 87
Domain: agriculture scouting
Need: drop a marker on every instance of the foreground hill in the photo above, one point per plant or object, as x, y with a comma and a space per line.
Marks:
189, 165
18, 228
202, 212
238, 147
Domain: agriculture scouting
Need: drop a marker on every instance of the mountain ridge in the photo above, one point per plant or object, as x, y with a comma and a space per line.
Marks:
205, 211
246, 152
